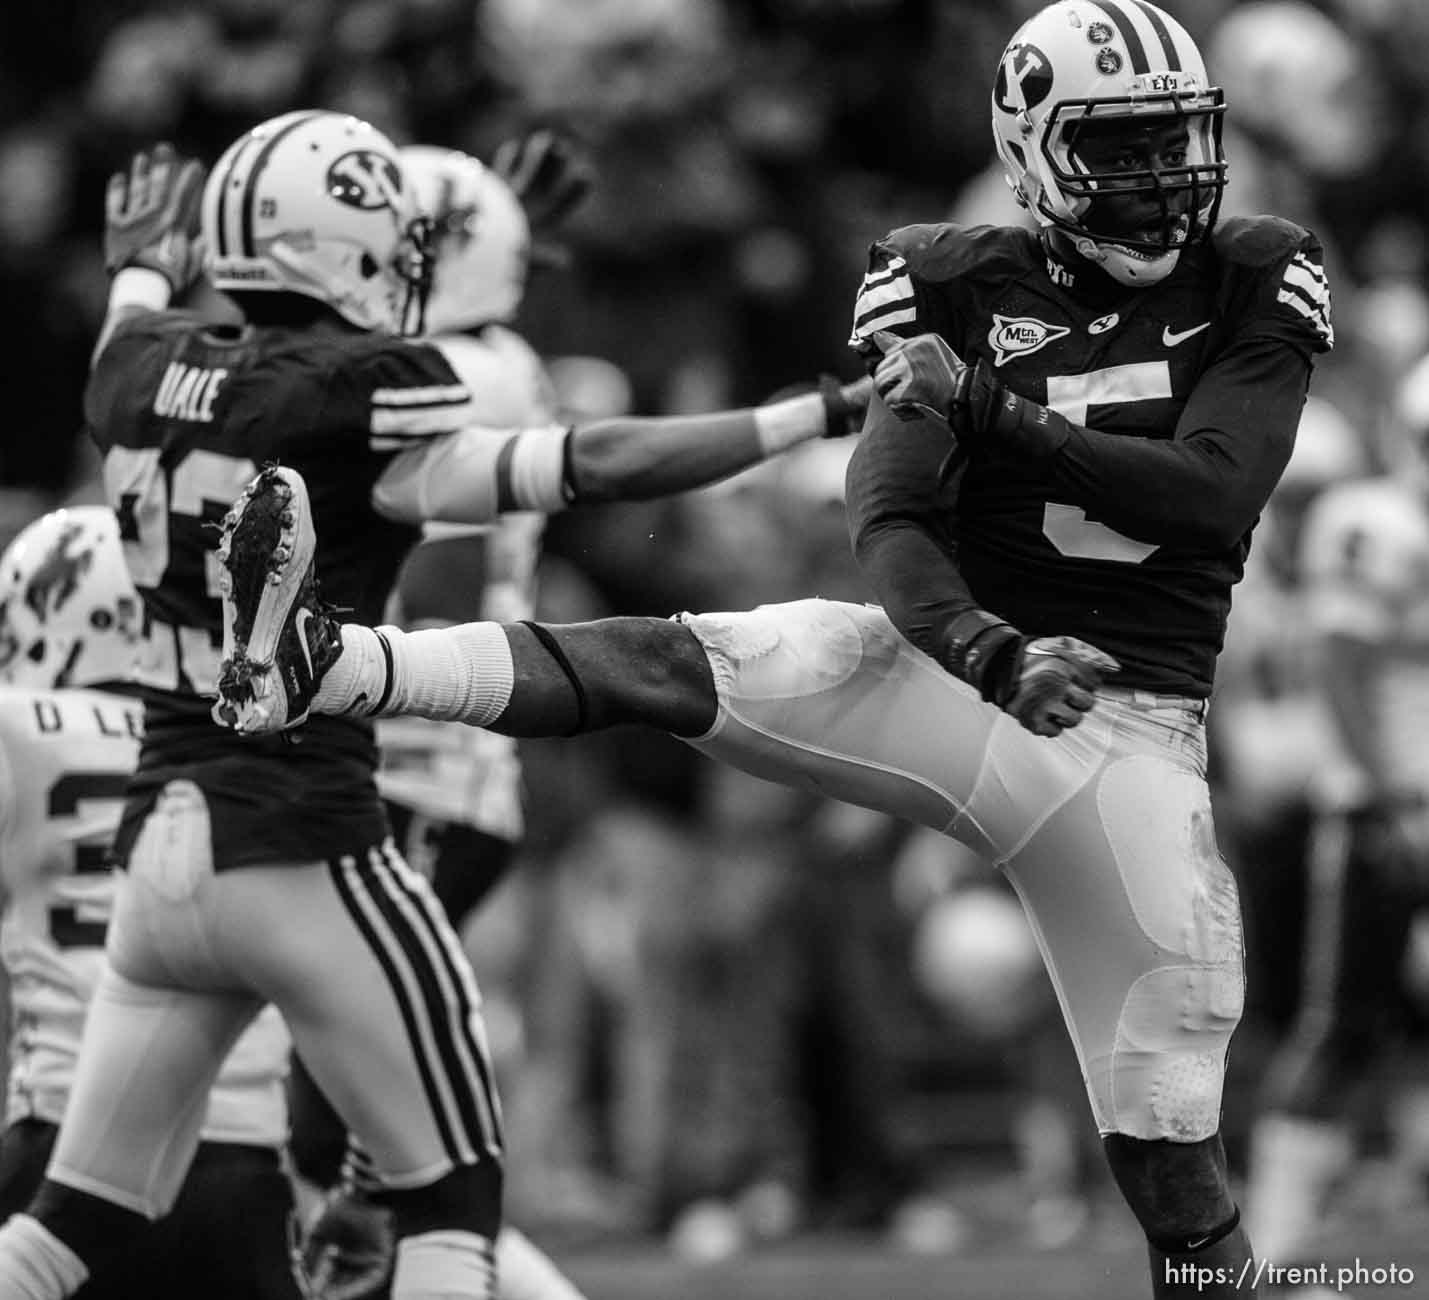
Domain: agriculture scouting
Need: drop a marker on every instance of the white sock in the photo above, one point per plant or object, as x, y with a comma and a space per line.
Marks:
1293, 1163
445, 1265
35, 1264
462, 673
527, 1273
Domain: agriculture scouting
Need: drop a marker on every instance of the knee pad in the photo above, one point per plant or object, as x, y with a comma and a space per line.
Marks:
466, 1200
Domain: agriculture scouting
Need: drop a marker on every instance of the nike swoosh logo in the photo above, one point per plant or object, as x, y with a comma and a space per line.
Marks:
300, 624
1170, 338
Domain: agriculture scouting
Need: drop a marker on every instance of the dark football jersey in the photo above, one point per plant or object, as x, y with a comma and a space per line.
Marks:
185, 415
1104, 543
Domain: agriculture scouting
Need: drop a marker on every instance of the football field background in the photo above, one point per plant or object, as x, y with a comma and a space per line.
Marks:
848, 1269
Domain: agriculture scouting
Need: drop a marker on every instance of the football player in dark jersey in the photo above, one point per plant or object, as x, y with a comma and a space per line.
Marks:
265, 872
1122, 387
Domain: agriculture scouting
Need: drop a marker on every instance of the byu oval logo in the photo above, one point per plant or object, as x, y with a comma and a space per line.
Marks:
364, 179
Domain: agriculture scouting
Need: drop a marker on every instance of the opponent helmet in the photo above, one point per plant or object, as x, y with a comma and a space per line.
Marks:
1081, 61
480, 238
314, 203
69, 613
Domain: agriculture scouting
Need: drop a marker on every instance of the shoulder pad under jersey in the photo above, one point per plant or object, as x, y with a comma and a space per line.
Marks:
944, 251
1273, 281
914, 274
1257, 241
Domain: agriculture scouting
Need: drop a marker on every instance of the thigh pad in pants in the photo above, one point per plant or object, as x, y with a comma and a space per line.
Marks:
1105, 831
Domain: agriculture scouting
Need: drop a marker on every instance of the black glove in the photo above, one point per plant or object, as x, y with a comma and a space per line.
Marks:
151, 217
923, 376
348, 1250
551, 175
1047, 683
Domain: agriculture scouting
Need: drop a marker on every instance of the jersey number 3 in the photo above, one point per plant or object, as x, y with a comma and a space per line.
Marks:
70, 925
1067, 527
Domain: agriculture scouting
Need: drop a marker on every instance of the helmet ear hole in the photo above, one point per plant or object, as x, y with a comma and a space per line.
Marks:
368, 267
36, 652
101, 619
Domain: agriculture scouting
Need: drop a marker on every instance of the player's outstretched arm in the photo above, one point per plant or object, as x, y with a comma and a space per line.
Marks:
635, 458
900, 505
471, 475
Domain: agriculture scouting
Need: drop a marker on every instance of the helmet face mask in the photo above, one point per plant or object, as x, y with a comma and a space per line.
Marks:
1186, 194
69, 613
1075, 80
315, 203
480, 239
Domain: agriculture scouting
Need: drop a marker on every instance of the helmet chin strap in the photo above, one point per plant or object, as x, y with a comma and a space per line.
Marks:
1123, 265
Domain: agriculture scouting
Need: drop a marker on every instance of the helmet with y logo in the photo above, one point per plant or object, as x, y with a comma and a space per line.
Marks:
315, 203
1085, 67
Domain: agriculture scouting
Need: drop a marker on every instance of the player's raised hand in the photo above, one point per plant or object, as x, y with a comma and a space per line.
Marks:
918, 377
551, 175
1053, 683
151, 216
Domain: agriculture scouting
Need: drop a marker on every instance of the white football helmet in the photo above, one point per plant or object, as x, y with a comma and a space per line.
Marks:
480, 238
315, 203
69, 613
1094, 60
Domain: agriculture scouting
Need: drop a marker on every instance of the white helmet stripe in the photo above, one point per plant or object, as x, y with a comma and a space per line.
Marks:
1163, 34
260, 161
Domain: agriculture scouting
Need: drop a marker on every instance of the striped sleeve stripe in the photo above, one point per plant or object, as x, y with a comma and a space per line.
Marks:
431, 395
1304, 274
421, 422
882, 320
1317, 313
890, 269
881, 305
1305, 290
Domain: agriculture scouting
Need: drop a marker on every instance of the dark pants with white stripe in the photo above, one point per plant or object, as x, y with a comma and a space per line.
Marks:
372, 981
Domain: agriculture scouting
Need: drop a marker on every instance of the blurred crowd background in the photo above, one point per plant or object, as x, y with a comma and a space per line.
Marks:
726, 1012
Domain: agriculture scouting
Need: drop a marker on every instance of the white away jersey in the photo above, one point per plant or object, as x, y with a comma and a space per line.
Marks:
445, 770
65, 759
1365, 560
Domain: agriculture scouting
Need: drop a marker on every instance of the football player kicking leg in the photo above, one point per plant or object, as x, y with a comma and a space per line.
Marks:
830, 696
1124, 386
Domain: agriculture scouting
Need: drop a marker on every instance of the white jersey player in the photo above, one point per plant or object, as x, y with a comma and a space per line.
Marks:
69, 624
1365, 560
